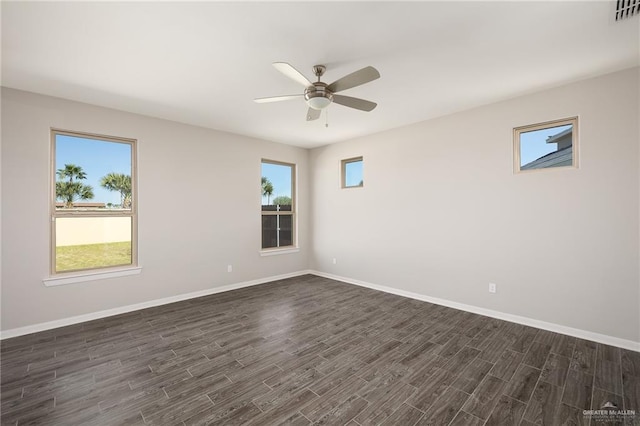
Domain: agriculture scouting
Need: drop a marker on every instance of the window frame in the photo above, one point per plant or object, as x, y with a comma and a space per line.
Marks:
517, 131
343, 172
54, 213
293, 213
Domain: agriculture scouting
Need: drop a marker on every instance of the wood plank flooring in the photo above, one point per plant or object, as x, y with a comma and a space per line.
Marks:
309, 350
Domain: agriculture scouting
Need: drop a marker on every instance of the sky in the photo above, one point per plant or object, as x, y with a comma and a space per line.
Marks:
280, 177
353, 172
97, 158
533, 145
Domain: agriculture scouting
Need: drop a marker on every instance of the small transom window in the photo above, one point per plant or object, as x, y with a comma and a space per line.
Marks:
546, 145
352, 176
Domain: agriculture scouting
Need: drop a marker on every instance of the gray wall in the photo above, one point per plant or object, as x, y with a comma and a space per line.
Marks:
442, 213
199, 209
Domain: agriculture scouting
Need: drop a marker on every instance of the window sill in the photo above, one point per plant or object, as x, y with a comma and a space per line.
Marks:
275, 252
90, 276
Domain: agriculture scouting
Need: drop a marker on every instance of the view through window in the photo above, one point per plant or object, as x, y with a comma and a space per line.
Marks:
93, 207
546, 145
278, 204
352, 176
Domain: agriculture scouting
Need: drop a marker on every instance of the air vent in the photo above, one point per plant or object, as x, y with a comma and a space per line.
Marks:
627, 8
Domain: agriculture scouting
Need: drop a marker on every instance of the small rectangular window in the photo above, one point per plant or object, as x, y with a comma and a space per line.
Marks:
278, 204
93, 203
546, 145
352, 176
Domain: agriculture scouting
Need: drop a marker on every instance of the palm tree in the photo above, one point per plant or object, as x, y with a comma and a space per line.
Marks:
121, 183
69, 190
267, 188
71, 171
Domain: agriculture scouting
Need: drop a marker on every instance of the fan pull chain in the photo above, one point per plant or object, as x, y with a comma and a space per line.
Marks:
326, 117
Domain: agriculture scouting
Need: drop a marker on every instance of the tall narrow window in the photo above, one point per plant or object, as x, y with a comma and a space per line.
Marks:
352, 176
546, 145
93, 202
278, 204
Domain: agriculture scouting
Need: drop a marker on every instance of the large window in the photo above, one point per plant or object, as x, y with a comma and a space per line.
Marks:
278, 204
93, 202
546, 145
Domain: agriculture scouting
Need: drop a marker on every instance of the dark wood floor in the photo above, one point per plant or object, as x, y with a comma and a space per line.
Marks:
309, 350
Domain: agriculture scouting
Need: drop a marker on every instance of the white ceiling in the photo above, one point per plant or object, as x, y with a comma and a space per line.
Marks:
203, 63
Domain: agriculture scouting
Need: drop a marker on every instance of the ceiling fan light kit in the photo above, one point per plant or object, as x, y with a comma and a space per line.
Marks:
320, 95
317, 95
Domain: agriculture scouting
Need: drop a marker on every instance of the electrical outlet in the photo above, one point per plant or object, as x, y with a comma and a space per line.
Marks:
334, 261
229, 268
492, 288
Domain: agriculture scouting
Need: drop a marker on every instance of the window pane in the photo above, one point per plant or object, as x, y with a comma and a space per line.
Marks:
269, 231
277, 196
92, 174
286, 230
92, 242
352, 173
277, 185
544, 148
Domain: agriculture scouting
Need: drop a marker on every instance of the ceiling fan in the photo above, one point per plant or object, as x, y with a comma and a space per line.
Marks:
319, 95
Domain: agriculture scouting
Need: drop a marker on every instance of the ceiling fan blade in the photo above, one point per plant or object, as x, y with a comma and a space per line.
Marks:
354, 79
277, 98
313, 114
356, 103
292, 73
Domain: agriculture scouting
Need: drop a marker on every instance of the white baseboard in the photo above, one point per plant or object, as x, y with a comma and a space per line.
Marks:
20, 331
575, 332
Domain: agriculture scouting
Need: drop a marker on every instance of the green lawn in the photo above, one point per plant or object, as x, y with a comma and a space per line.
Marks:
69, 258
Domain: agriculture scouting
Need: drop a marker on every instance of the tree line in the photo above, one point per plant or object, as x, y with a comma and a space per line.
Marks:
70, 188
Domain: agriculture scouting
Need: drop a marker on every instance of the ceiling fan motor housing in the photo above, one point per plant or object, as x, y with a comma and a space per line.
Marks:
318, 96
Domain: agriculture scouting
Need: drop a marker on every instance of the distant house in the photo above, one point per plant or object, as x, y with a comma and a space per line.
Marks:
84, 205
563, 156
